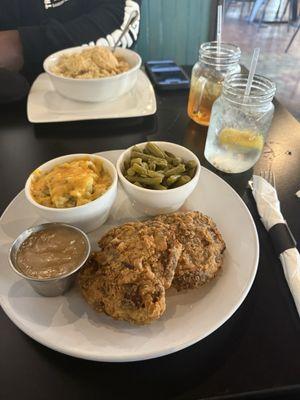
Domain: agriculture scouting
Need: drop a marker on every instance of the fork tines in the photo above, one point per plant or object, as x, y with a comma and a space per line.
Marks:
269, 176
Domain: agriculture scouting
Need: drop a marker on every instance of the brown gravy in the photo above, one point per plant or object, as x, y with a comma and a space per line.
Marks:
51, 253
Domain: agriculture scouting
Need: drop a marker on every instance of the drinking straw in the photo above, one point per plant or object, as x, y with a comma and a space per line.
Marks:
252, 71
219, 28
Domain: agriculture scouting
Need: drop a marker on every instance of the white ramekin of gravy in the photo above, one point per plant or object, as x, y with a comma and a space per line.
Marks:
49, 255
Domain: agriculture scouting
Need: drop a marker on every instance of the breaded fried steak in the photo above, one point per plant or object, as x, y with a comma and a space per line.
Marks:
123, 291
137, 261
127, 278
203, 248
138, 243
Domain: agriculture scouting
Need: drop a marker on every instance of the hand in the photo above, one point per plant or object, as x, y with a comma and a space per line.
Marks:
11, 52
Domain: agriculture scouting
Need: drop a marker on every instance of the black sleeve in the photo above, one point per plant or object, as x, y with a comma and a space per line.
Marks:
101, 25
9, 14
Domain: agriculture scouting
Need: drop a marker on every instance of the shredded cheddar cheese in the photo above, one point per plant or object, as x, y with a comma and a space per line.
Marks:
70, 184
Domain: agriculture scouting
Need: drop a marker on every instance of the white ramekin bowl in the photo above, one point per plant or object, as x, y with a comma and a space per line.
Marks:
153, 202
87, 217
99, 89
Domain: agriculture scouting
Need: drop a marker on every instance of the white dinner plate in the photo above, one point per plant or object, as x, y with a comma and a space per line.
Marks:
67, 324
44, 104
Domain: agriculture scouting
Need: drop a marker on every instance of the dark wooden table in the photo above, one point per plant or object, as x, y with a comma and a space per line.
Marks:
255, 354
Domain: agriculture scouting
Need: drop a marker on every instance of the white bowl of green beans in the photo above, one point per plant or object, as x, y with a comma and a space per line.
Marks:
158, 177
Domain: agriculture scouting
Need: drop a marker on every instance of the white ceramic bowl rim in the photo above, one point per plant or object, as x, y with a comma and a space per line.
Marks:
134, 68
70, 209
159, 192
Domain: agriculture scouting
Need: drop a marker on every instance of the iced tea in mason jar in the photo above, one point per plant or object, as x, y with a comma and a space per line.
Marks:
207, 78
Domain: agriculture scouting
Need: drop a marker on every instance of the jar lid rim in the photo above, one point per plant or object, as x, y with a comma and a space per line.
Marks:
234, 89
229, 53
225, 45
238, 82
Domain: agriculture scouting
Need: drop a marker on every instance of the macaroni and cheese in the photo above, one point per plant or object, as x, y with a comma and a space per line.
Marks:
70, 184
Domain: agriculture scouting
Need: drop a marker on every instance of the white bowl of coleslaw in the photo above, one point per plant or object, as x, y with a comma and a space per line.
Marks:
100, 89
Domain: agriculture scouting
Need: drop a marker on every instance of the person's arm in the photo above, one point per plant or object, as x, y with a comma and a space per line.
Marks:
101, 25
11, 52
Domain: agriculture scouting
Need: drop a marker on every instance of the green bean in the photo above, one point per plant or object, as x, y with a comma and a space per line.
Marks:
171, 155
148, 181
126, 164
159, 187
146, 172
176, 161
152, 165
191, 164
130, 172
168, 158
181, 181
137, 184
155, 174
172, 179
136, 161
157, 169
139, 169
155, 150
148, 157
191, 172
172, 159
162, 169
176, 170
131, 179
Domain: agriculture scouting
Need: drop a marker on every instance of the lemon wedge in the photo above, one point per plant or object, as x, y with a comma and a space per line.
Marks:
244, 139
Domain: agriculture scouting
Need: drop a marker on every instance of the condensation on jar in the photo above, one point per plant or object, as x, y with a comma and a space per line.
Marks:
207, 78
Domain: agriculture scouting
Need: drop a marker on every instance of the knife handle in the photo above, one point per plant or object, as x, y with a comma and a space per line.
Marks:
282, 238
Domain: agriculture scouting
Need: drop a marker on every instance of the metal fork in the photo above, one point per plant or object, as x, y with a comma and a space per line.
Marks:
132, 18
268, 175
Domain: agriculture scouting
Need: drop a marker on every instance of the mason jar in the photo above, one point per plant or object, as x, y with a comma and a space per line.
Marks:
207, 78
239, 124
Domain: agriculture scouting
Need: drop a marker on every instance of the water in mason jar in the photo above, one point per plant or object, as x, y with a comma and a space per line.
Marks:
233, 150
